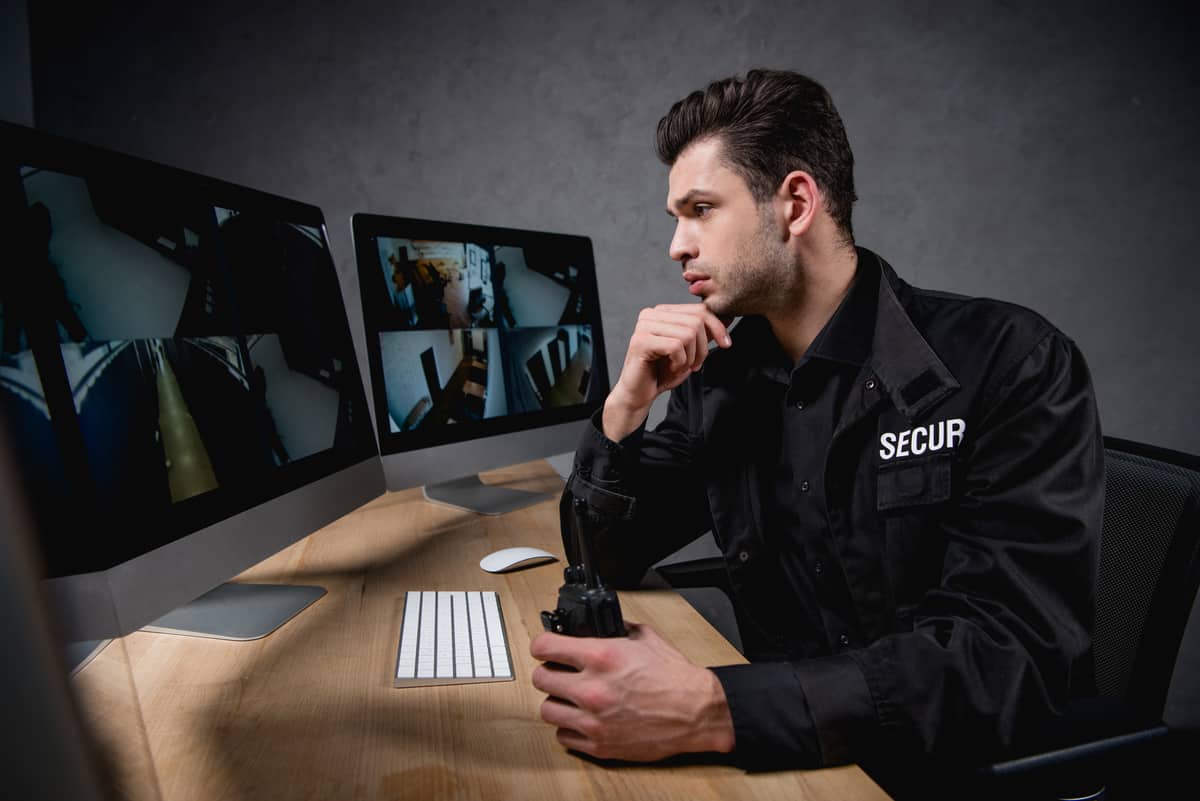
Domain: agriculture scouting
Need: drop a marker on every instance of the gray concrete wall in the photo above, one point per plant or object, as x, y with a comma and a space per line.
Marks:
16, 78
1037, 152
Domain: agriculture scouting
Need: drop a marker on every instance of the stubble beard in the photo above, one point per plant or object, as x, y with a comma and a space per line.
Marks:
759, 280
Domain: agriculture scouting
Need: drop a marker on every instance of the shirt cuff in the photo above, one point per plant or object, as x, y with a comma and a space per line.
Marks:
772, 727
841, 705
604, 462
802, 715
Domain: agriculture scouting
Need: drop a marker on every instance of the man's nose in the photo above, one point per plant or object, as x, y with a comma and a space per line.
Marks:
683, 247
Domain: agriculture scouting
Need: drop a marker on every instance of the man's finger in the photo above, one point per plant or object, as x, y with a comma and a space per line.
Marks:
690, 327
570, 651
556, 682
665, 329
716, 328
669, 328
667, 348
565, 716
576, 741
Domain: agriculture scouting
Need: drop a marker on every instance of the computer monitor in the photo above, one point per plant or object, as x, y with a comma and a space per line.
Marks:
178, 371
484, 346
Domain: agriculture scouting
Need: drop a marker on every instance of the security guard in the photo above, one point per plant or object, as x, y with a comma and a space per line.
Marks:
907, 485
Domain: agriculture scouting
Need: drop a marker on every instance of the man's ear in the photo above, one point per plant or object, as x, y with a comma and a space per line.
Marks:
801, 200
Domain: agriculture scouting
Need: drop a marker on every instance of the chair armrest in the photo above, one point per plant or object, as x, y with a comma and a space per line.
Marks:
1079, 753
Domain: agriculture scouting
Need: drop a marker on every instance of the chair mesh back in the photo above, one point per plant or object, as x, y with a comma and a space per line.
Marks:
1144, 502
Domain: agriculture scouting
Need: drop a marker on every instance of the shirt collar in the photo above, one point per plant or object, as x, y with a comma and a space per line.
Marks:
910, 371
846, 337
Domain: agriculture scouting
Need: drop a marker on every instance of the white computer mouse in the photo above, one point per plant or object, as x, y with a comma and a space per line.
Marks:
507, 559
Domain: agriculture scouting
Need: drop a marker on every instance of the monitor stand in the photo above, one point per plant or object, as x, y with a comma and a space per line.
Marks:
79, 654
234, 611
472, 495
228, 612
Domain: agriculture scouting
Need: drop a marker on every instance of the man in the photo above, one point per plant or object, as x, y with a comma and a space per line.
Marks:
906, 485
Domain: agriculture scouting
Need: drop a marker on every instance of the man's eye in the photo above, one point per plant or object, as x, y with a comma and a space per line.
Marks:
702, 209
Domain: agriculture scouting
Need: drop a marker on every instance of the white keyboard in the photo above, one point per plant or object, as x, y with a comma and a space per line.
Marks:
452, 638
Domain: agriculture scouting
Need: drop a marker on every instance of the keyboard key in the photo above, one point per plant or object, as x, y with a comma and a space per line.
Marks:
479, 639
462, 636
426, 645
445, 637
406, 662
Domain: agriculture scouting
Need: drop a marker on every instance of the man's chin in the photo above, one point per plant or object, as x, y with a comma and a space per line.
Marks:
722, 310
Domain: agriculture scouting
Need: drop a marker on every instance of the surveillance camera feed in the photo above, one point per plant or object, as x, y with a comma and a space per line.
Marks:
168, 360
475, 330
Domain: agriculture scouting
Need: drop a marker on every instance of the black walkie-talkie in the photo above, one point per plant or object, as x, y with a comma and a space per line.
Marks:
586, 607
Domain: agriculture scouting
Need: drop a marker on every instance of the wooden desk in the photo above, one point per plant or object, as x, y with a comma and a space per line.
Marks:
309, 712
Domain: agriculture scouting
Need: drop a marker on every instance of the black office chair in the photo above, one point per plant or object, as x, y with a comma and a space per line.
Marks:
1134, 733
1126, 739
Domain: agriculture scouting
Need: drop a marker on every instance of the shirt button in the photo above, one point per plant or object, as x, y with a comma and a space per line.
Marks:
744, 556
804, 486
819, 567
844, 641
870, 384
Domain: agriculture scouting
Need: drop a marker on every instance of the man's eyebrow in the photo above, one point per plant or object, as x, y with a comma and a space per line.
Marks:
683, 201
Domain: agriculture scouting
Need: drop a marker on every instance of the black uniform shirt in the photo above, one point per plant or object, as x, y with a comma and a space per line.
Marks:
808, 397
955, 488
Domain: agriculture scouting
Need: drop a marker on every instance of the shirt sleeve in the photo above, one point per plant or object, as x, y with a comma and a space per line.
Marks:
641, 498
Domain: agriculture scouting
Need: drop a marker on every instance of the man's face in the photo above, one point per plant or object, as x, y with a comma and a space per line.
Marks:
730, 247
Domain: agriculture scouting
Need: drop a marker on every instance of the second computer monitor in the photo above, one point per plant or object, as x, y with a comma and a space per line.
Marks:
484, 344
178, 377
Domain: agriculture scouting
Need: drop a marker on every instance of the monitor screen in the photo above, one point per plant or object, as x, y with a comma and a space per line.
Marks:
475, 332
175, 351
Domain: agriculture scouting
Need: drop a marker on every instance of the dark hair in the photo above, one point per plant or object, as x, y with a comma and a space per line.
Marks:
769, 123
